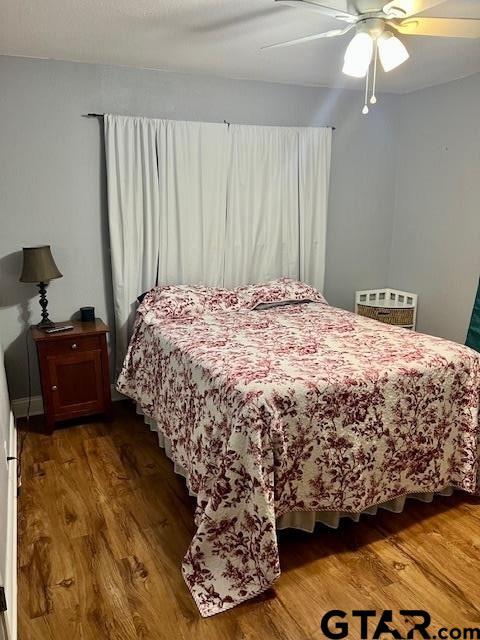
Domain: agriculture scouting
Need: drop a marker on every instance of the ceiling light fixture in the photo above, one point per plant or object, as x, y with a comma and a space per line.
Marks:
372, 38
358, 55
392, 51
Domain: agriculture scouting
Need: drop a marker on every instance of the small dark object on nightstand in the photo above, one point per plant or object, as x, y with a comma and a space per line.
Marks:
87, 314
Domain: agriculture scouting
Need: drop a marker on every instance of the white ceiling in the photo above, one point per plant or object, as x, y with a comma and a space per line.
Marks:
220, 37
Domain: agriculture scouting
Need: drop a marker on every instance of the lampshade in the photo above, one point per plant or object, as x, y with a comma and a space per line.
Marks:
358, 55
392, 51
38, 265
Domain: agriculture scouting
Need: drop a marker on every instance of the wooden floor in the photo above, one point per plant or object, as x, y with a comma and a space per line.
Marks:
104, 524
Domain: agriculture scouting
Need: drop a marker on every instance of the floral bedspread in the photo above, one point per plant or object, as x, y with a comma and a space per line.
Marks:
304, 407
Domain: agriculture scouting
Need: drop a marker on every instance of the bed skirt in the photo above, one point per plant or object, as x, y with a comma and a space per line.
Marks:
306, 520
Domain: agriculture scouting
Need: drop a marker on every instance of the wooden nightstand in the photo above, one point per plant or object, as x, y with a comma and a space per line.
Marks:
74, 371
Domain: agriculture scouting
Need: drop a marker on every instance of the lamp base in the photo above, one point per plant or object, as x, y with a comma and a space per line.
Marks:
45, 324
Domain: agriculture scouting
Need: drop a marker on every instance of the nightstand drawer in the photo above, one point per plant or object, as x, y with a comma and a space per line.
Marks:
72, 344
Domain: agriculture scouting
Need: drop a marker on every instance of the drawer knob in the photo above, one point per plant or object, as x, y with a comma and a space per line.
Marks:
54, 388
74, 345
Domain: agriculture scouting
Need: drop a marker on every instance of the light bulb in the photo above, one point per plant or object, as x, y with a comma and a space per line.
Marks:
365, 110
358, 55
392, 51
373, 100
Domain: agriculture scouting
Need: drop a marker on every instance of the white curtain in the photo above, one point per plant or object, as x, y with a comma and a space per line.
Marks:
166, 186
200, 203
277, 204
192, 168
133, 214
314, 151
262, 205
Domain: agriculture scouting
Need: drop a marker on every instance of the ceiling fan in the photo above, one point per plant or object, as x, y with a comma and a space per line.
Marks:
376, 24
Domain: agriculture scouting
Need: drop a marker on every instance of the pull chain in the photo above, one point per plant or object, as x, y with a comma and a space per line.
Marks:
373, 99
365, 109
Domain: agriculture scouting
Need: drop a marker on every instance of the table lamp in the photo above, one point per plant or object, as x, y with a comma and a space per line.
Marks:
39, 267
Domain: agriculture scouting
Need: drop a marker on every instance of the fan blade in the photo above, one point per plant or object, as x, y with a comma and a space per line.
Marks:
442, 27
316, 36
321, 8
409, 7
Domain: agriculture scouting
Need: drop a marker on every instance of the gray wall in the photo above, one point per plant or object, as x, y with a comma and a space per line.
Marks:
436, 233
52, 181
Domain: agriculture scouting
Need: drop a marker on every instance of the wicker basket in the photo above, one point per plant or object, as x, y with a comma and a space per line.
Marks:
398, 316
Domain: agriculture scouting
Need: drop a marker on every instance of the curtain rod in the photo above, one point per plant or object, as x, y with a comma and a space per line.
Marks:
101, 115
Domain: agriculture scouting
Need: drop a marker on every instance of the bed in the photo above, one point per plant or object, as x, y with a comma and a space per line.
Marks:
275, 403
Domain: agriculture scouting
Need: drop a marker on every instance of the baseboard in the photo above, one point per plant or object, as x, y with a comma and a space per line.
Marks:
20, 405
10, 615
